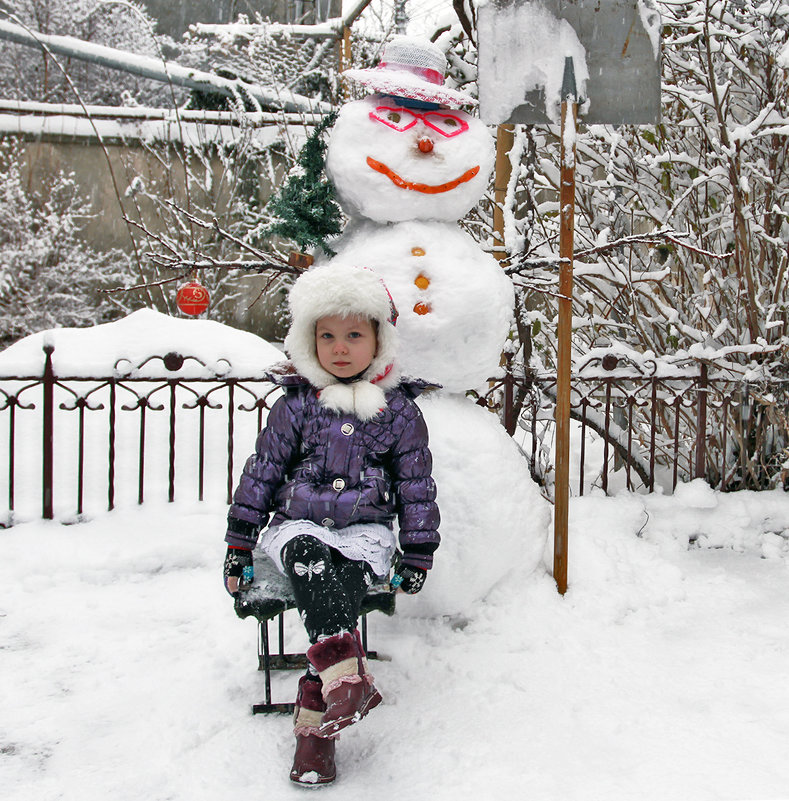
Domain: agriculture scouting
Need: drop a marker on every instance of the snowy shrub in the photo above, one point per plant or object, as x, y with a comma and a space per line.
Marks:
28, 74
202, 212
681, 229
258, 54
50, 277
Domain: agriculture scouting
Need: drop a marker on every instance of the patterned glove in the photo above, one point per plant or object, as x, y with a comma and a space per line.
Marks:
239, 569
409, 579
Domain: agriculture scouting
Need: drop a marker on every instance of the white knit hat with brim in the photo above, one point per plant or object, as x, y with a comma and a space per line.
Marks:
343, 290
412, 68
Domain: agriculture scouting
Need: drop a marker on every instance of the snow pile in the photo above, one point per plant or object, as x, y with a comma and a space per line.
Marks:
746, 522
116, 348
493, 519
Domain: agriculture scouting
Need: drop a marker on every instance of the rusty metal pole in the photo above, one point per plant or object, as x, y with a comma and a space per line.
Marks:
48, 435
564, 335
700, 466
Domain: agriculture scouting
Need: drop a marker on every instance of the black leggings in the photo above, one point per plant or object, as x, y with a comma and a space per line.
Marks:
329, 587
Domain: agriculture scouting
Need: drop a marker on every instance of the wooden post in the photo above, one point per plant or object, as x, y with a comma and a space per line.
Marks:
345, 61
564, 356
505, 139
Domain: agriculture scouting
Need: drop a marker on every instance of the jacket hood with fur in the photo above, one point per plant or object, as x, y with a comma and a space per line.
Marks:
346, 291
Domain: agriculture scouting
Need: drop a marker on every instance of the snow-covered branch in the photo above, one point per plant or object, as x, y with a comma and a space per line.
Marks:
159, 70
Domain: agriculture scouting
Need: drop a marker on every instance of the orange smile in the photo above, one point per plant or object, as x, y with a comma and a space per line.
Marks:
427, 189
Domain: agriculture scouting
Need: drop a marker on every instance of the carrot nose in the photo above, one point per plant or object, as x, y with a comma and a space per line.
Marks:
425, 144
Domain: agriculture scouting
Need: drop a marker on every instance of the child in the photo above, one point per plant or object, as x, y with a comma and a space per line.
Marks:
343, 450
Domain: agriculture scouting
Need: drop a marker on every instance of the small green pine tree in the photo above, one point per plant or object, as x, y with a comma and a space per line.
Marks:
305, 207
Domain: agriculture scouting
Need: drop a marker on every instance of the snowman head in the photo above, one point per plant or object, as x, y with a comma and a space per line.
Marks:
402, 153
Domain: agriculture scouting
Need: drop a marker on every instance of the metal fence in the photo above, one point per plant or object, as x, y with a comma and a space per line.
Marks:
168, 425
638, 429
173, 426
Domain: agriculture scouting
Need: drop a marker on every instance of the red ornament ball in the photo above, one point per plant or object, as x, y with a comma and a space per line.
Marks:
192, 298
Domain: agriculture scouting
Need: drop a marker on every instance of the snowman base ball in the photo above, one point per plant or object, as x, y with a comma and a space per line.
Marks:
494, 521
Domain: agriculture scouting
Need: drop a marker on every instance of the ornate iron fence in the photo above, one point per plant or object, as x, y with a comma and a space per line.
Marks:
171, 421
637, 428
172, 425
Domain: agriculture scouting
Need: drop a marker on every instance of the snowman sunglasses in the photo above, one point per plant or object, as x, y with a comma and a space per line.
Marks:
401, 119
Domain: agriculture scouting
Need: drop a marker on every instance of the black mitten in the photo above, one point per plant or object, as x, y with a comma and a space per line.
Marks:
409, 579
238, 568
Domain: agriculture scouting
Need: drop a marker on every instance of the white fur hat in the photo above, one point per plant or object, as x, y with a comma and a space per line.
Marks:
344, 290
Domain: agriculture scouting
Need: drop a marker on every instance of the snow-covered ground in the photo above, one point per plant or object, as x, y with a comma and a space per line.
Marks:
660, 675
125, 674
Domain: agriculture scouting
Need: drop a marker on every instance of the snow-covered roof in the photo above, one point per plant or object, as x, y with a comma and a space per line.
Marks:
158, 69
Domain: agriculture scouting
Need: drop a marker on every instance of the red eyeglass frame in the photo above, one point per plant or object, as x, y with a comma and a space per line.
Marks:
376, 116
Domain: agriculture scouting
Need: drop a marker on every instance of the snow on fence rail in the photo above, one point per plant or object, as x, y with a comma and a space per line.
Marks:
78, 444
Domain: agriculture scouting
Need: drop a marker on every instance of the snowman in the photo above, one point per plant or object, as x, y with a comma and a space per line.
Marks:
407, 163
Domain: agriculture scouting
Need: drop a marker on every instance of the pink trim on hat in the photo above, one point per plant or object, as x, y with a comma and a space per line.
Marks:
381, 376
431, 76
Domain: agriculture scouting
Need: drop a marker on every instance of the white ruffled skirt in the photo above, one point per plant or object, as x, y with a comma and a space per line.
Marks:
373, 543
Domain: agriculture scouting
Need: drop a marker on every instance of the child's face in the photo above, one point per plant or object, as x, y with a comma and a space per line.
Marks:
345, 346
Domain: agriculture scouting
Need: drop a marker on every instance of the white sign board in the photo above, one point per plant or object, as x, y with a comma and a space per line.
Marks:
614, 44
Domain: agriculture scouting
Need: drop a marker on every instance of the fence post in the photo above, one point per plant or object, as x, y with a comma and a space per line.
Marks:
607, 437
111, 448
11, 454
47, 436
171, 446
652, 435
231, 388
700, 468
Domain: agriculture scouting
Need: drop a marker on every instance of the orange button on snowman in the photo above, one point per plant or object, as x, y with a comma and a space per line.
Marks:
421, 282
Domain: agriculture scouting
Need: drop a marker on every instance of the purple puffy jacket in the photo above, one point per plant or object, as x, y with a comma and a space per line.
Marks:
311, 463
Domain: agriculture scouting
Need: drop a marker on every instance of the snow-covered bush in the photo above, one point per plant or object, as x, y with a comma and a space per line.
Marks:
201, 211
260, 53
681, 229
714, 172
49, 276
28, 74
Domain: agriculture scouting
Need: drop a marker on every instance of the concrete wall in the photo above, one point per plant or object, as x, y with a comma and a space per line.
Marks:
107, 229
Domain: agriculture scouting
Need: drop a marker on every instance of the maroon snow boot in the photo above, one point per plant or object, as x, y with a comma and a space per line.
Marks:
313, 762
348, 688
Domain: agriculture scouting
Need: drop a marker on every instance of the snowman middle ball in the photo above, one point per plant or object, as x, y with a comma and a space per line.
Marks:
389, 163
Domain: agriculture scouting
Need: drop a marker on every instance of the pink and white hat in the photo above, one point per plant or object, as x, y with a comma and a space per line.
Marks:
413, 68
